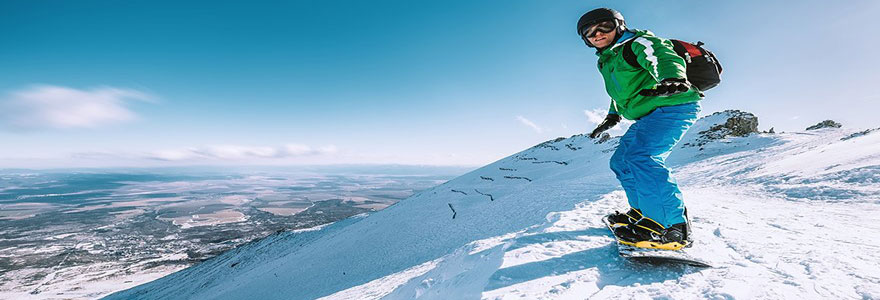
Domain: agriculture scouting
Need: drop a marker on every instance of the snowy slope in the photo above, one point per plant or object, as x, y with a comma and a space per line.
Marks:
780, 216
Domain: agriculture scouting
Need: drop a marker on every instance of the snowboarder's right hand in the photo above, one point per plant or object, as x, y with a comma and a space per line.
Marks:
667, 87
610, 121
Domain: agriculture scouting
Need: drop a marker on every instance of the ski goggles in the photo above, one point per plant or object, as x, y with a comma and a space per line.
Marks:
604, 27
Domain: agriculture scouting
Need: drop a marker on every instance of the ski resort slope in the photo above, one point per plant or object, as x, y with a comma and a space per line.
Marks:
789, 215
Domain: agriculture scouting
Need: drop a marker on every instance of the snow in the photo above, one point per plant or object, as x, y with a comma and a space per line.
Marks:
787, 215
87, 282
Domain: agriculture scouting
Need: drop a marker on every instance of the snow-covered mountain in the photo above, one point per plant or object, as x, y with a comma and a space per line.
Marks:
779, 215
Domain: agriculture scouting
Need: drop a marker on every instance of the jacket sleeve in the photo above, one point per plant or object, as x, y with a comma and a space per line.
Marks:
656, 55
611, 109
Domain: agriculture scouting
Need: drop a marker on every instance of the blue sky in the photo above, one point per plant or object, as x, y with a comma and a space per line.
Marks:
154, 83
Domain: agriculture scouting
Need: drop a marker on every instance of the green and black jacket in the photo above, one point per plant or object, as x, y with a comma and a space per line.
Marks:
623, 82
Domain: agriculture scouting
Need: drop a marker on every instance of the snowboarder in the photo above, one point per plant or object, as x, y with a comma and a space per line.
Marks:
663, 104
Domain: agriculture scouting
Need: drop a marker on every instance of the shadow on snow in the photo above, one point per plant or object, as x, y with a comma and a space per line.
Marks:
612, 269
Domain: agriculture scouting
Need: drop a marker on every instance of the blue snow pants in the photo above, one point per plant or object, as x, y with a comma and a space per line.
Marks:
640, 162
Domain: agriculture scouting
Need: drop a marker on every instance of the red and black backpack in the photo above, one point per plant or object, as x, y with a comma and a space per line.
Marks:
703, 69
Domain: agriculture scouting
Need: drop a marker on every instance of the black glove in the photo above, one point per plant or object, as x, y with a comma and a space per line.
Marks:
667, 87
610, 121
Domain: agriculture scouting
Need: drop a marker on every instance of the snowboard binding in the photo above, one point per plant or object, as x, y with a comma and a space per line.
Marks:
653, 251
647, 233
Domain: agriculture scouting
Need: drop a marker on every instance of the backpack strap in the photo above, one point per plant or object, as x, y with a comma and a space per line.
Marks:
629, 56
715, 60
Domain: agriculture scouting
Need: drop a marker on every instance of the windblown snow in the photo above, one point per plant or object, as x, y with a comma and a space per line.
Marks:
786, 215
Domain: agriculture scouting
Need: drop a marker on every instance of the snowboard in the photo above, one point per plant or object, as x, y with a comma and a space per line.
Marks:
655, 256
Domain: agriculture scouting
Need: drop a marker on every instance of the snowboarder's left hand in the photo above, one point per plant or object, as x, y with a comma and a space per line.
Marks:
608, 123
667, 87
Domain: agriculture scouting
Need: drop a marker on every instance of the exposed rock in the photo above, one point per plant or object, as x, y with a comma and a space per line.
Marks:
825, 124
604, 138
739, 123
551, 161
518, 177
491, 198
720, 125
547, 144
860, 133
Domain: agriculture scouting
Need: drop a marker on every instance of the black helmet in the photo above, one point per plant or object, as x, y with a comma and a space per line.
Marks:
600, 15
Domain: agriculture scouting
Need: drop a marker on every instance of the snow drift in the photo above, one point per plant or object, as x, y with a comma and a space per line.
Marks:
780, 216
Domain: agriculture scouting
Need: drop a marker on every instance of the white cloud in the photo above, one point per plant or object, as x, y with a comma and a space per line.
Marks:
173, 155
56, 107
530, 124
597, 115
237, 152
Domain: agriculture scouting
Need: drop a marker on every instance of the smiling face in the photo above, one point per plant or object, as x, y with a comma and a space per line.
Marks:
602, 39
600, 35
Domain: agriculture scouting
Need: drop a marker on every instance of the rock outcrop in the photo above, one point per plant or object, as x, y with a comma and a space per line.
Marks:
860, 133
825, 124
720, 125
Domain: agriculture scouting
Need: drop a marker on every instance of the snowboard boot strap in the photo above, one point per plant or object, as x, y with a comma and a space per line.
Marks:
643, 230
675, 237
634, 215
651, 226
618, 219
647, 233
